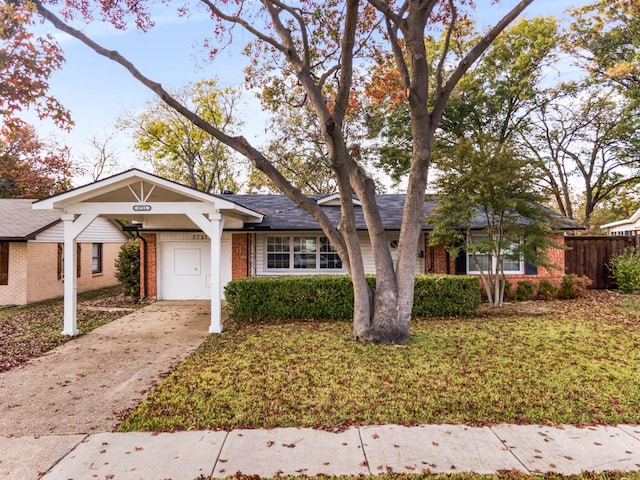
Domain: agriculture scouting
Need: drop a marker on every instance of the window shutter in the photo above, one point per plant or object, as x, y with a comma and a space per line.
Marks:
60, 247
79, 249
4, 263
530, 269
461, 263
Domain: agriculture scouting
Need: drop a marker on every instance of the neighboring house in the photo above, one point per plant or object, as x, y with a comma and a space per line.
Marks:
194, 243
31, 255
624, 228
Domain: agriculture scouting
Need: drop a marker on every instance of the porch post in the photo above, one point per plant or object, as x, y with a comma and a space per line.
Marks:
216, 292
70, 278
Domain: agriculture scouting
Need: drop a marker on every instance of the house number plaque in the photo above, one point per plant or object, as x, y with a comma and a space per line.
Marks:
141, 208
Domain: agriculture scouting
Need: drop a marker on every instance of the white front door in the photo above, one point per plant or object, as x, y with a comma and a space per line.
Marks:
185, 271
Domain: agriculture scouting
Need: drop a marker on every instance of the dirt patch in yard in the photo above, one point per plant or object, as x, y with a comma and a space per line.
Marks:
109, 303
593, 303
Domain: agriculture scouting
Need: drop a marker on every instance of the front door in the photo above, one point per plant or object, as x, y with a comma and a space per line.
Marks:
185, 271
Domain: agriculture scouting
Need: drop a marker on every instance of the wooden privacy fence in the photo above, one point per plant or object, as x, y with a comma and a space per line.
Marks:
590, 256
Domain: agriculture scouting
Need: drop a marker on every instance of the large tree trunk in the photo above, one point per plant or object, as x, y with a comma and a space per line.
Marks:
389, 321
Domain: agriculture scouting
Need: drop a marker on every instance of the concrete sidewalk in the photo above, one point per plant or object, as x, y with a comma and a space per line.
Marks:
291, 451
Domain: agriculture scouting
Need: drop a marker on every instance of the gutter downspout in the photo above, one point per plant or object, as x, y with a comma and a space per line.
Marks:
247, 253
146, 273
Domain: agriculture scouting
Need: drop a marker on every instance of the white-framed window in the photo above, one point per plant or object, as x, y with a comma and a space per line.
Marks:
96, 258
486, 261
301, 253
61, 260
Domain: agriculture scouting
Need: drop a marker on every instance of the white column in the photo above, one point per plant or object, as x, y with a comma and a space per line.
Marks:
216, 284
70, 278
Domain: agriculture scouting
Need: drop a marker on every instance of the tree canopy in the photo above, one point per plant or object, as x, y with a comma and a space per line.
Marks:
179, 150
27, 61
31, 167
318, 54
495, 189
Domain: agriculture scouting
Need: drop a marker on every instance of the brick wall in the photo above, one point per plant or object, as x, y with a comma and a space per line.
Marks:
91, 281
41, 270
436, 260
437, 257
33, 272
150, 273
241, 260
15, 293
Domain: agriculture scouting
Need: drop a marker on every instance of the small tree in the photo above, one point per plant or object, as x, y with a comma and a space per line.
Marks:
128, 267
492, 192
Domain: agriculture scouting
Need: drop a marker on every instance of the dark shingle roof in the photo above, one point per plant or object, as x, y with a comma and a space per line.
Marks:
281, 213
19, 222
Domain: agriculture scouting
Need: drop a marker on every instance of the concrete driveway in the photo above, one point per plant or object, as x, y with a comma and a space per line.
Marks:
80, 387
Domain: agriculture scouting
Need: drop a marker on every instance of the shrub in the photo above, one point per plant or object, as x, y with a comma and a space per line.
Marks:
446, 295
508, 291
330, 297
625, 269
547, 290
573, 286
525, 290
128, 267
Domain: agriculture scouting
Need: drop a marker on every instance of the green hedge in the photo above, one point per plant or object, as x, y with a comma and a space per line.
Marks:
326, 297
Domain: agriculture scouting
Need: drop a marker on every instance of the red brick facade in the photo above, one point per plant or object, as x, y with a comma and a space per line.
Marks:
241, 259
150, 273
436, 262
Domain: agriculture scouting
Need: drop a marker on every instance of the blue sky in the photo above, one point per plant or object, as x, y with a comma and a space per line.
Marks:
97, 90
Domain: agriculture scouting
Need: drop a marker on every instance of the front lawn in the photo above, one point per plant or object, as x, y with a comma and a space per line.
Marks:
574, 362
29, 331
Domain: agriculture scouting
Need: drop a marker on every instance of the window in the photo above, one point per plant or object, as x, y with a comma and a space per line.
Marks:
278, 252
61, 261
308, 252
96, 258
304, 252
4, 263
329, 257
487, 261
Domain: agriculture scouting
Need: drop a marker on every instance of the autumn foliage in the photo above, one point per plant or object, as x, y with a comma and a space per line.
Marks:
30, 167
26, 64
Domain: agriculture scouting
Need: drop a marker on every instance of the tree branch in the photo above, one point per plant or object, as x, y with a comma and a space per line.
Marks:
239, 144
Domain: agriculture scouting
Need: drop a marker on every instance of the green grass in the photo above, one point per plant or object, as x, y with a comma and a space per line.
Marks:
571, 366
29, 331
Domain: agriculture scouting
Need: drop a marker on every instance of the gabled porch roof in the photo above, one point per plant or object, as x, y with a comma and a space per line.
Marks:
132, 194
140, 196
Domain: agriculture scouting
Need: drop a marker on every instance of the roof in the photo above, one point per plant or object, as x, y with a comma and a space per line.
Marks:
631, 221
20, 222
281, 213
136, 186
